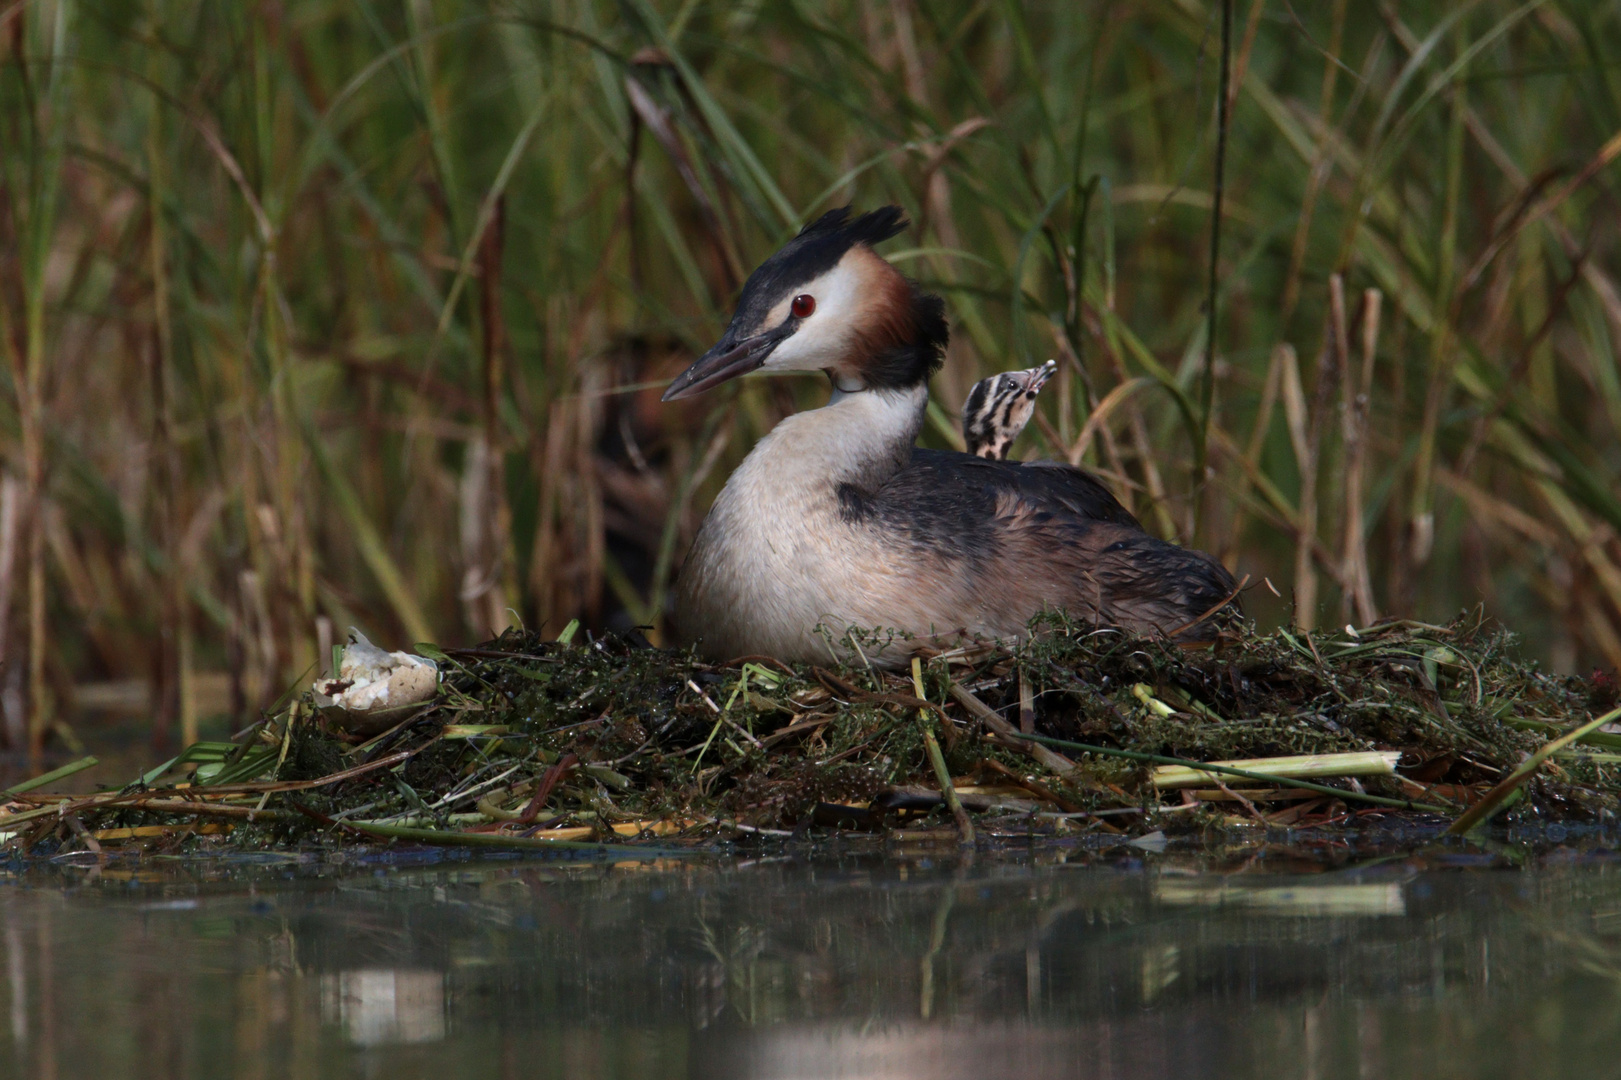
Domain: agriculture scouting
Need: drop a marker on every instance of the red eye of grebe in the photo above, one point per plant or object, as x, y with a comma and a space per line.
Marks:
803, 305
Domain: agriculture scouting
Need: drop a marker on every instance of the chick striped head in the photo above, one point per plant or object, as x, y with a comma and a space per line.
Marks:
999, 407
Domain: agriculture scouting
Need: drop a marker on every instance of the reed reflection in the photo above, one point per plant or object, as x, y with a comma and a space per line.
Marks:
815, 970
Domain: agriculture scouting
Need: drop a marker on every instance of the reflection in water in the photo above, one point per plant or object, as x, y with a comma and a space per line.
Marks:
17, 985
910, 1052
1313, 898
376, 1007
1052, 964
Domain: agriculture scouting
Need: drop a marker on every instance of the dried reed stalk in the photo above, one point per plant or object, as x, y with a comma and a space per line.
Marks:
13, 725
1358, 393
1302, 767
1306, 432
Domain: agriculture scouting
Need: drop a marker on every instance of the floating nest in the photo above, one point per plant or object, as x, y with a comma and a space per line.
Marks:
590, 741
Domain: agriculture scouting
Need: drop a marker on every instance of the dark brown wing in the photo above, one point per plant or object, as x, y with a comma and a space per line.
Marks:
1043, 534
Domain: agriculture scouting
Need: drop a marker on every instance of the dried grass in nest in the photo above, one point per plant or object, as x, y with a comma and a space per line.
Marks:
539, 738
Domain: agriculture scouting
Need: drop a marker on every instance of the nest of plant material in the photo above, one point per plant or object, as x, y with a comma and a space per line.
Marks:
533, 742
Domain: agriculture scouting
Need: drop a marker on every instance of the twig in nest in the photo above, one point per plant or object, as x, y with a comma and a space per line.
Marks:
1248, 806
309, 812
1029, 785
948, 730
856, 695
188, 808
1047, 759
965, 825
618, 761
547, 783
722, 718
84, 834
1027, 704
795, 729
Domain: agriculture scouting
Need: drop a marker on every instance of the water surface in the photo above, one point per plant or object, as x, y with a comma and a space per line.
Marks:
1064, 962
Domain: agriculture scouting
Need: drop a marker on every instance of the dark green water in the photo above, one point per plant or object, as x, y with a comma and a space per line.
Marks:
1274, 963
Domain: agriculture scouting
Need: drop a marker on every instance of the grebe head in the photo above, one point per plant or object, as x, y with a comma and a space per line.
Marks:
999, 407
827, 302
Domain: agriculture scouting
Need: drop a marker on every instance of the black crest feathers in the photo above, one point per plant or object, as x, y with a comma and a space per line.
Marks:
870, 228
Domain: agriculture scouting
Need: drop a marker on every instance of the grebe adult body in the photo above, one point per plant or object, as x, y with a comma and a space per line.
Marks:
835, 521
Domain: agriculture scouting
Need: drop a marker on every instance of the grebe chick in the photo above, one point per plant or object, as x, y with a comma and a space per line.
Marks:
999, 407
834, 521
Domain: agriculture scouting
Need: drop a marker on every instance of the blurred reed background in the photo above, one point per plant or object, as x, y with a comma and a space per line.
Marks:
332, 312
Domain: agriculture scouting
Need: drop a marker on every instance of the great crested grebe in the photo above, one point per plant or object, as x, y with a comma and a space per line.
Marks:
835, 522
999, 407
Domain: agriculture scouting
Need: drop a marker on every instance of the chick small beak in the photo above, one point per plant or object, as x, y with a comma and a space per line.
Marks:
727, 360
1035, 378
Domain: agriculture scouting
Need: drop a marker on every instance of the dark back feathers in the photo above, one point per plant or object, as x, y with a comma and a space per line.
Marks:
1044, 534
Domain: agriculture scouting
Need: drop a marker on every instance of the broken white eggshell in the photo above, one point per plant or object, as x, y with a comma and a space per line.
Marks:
373, 689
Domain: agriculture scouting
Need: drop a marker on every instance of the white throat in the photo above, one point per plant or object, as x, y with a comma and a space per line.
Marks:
776, 553
859, 437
